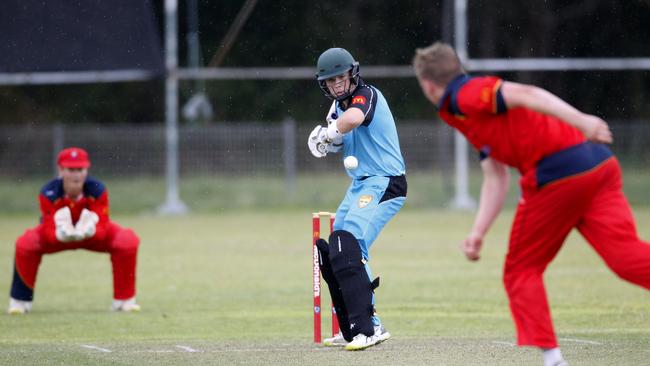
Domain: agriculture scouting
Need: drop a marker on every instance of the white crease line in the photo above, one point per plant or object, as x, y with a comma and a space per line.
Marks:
187, 349
580, 341
96, 348
229, 350
504, 343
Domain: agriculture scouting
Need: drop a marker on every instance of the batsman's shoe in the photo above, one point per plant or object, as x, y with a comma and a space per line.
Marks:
381, 333
19, 306
126, 306
336, 341
361, 342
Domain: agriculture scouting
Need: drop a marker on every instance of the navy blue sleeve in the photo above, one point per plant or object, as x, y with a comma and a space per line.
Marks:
501, 103
365, 99
484, 153
53, 189
93, 187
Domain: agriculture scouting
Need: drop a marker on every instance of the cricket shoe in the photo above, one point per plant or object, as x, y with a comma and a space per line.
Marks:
126, 306
19, 307
336, 341
361, 342
381, 333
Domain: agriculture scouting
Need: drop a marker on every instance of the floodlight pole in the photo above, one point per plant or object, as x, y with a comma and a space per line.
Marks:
462, 199
173, 205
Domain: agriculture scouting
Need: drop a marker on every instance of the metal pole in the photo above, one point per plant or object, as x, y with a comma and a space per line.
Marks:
192, 34
173, 205
462, 199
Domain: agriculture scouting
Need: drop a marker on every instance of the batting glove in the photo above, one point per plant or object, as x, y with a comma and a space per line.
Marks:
317, 142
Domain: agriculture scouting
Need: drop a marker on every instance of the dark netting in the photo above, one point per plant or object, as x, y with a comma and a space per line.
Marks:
69, 35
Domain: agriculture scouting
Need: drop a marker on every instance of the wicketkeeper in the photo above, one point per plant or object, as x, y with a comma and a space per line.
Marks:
75, 215
361, 124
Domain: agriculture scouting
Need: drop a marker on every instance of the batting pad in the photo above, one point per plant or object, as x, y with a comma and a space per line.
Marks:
346, 262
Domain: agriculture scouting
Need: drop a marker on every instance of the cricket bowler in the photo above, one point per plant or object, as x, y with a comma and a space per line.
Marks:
569, 179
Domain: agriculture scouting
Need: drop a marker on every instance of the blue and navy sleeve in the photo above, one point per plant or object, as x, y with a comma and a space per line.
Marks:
365, 99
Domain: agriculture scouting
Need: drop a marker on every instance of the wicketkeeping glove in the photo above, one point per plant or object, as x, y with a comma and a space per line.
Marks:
317, 142
65, 231
87, 223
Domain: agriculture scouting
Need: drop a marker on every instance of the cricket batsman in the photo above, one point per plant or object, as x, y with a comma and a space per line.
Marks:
75, 215
569, 179
361, 124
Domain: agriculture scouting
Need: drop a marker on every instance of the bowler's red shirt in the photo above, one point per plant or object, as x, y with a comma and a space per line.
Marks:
518, 137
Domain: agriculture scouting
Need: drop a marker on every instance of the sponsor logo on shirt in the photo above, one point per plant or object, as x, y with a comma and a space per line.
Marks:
485, 95
359, 99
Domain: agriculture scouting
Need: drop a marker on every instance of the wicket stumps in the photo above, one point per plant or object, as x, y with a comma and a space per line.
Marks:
316, 218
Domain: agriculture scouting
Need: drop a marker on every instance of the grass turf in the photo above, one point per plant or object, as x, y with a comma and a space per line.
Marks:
236, 288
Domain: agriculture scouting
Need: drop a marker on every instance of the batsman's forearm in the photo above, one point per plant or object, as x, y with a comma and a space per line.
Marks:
349, 120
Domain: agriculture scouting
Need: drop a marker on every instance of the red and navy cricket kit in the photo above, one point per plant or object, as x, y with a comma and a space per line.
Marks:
121, 243
566, 183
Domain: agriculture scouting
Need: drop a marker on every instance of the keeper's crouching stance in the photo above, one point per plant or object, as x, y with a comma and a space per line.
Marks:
74, 215
361, 124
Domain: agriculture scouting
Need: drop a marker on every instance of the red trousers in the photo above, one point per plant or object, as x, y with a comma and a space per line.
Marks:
122, 244
593, 202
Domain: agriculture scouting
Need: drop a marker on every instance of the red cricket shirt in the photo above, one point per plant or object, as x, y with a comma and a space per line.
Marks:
52, 198
518, 137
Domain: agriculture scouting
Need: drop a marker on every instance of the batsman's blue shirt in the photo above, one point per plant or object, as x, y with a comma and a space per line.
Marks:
375, 143
378, 188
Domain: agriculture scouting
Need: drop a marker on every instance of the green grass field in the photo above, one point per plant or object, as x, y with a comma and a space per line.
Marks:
234, 288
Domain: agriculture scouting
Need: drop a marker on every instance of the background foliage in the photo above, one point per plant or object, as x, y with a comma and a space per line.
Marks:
294, 33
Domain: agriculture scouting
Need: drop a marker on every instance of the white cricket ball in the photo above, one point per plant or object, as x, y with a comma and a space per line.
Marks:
350, 162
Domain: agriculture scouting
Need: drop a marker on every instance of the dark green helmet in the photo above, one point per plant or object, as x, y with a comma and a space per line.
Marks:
333, 62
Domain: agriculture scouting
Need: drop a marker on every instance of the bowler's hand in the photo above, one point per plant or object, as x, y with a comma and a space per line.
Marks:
472, 246
597, 130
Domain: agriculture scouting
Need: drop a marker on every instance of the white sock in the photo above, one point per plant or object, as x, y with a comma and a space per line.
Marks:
552, 356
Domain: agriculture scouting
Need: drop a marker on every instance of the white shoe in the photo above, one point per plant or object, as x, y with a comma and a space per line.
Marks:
127, 306
381, 334
336, 341
19, 306
361, 341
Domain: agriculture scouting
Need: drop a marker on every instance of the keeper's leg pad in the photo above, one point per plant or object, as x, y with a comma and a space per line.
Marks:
19, 289
349, 270
335, 290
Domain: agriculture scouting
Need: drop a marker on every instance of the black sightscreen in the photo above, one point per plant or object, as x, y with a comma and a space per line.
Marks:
77, 35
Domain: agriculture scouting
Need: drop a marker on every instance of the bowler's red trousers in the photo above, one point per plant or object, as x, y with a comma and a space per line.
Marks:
592, 202
122, 244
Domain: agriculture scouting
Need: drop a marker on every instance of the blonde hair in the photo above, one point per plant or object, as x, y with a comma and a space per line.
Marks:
438, 63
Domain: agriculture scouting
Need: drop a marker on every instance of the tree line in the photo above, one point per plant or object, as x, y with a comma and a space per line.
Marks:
294, 33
